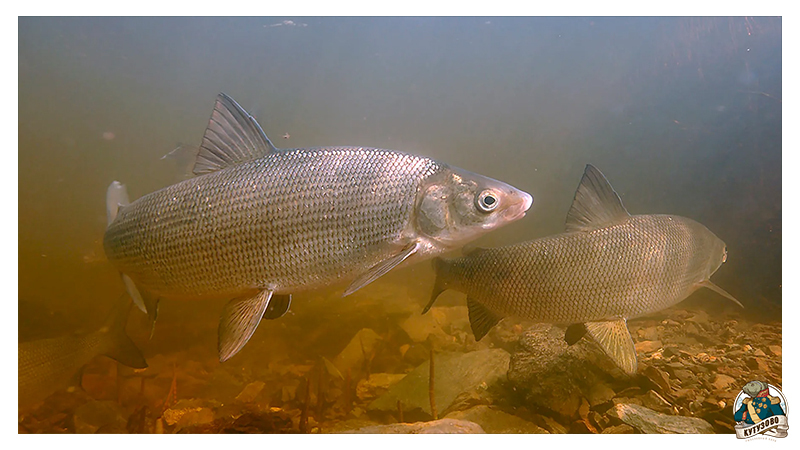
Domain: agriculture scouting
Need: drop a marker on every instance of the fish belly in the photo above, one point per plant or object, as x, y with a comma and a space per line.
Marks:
292, 220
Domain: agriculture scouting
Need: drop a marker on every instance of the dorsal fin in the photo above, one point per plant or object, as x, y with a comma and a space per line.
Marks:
596, 205
233, 136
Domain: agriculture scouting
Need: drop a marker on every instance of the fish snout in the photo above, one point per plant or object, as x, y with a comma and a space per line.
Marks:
522, 202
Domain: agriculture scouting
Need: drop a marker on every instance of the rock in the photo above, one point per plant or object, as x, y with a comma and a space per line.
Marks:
185, 406
656, 402
722, 381
416, 354
455, 373
250, 392
377, 384
647, 346
600, 393
437, 322
94, 415
195, 417
352, 356
775, 350
619, 429
442, 426
555, 376
648, 421
495, 421
658, 377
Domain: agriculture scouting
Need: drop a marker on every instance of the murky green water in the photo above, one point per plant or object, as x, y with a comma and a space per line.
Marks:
683, 115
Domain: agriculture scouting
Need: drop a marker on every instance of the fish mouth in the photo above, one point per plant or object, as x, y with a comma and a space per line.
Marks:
518, 209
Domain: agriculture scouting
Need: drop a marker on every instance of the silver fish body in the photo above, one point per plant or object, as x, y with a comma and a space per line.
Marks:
609, 266
260, 222
47, 365
638, 266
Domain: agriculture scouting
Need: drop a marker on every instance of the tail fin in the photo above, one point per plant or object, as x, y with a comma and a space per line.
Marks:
439, 285
118, 345
116, 196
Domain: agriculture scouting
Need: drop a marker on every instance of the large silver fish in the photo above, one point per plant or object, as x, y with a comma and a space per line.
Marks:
609, 266
258, 223
47, 365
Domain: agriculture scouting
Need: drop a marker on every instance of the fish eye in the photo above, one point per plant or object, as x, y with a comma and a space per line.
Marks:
486, 201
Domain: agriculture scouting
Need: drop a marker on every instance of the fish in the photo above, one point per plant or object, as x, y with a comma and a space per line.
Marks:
258, 224
48, 365
608, 266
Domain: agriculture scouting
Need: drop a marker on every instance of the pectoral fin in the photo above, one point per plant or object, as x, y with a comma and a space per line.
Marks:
718, 290
147, 303
278, 306
381, 268
615, 340
239, 321
481, 320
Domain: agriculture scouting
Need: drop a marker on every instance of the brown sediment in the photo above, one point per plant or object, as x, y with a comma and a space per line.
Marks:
304, 415
431, 391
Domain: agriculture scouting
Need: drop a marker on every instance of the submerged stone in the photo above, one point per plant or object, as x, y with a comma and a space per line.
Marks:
648, 421
95, 415
494, 421
442, 426
454, 374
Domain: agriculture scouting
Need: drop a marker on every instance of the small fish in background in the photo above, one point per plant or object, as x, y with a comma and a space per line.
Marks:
608, 267
258, 224
47, 365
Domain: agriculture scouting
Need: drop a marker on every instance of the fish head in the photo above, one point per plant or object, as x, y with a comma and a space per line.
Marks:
711, 251
456, 206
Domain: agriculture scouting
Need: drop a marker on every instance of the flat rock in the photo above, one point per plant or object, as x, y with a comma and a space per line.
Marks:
647, 346
494, 421
651, 422
722, 381
377, 384
250, 392
352, 356
437, 322
95, 415
454, 374
442, 426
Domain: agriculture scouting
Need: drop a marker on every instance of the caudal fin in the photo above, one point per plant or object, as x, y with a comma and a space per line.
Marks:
118, 345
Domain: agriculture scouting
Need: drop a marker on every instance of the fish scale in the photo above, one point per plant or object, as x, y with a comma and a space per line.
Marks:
252, 226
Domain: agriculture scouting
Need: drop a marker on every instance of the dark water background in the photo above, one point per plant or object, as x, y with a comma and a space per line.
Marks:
683, 115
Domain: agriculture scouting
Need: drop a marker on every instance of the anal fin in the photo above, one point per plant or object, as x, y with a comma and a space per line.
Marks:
615, 340
481, 320
381, 268
239, 321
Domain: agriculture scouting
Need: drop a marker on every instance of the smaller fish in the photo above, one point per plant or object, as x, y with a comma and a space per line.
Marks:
48, 365
607, 267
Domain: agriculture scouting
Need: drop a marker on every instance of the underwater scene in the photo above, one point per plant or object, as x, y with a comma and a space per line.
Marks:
400, 225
